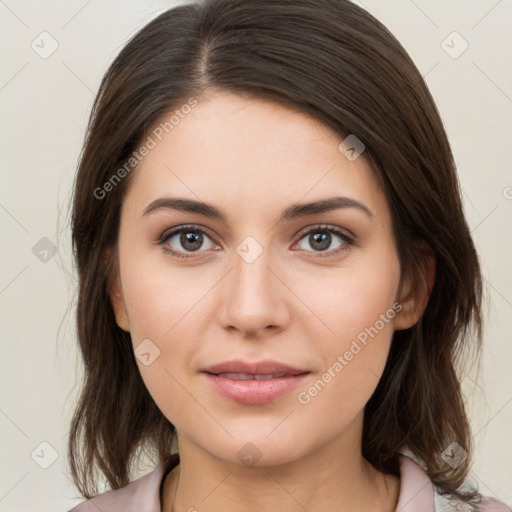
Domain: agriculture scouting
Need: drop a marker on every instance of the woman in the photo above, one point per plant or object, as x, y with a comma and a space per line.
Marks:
276, 279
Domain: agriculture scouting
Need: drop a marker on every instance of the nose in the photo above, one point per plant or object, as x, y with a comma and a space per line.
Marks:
254, 299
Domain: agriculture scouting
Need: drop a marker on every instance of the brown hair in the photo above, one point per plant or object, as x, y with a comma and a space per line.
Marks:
332, 60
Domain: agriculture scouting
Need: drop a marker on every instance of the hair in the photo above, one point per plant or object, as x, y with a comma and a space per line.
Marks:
333, 61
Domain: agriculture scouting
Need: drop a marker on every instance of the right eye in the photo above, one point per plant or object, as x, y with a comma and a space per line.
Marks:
185, 239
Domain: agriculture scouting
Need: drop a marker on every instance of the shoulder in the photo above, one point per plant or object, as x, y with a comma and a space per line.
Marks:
413, 471
141, 495
447, 504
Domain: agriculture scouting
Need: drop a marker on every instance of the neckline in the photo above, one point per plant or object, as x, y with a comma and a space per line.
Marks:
169, 465
416, 488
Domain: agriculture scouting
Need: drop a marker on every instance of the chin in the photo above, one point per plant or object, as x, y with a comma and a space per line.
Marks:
252, 448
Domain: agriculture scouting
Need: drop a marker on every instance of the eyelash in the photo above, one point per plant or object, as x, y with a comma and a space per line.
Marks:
349, 241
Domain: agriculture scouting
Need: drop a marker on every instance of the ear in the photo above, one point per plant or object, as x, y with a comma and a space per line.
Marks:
416, 288
114, 290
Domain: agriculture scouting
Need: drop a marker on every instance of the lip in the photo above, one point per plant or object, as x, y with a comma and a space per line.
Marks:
264, 367
254, 391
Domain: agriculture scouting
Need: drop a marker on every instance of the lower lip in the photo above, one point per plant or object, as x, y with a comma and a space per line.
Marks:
255, 391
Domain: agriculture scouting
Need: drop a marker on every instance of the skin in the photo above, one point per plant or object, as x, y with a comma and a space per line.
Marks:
253, 158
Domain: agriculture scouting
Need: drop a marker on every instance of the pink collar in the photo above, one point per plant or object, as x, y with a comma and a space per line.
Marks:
143, 494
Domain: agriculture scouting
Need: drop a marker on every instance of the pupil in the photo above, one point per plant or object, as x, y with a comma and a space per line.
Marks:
323, 240
193, 238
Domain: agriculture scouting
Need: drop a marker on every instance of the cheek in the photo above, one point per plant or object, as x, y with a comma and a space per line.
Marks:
353, 366
351, 300
166, 308
359, 313
163, 312
160, 298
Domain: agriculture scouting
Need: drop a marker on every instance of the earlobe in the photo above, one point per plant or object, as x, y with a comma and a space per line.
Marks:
120, 310
115, 292
415, 292
122, 320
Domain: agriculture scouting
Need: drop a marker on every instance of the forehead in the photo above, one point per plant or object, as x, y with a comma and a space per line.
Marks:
249, 153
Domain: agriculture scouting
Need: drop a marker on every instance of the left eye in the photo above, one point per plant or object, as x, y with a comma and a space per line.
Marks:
321, 238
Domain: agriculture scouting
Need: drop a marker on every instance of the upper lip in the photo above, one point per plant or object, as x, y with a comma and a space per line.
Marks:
265, 367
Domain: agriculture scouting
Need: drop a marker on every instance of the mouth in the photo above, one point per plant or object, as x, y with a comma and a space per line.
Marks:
249, 376
264, 368
254, 383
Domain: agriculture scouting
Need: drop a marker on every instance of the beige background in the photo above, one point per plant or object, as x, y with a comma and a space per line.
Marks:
44, 105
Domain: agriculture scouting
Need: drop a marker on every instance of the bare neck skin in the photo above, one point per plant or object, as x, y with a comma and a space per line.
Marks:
334, 478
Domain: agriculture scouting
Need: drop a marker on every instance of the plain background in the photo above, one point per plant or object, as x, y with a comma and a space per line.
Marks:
45, 103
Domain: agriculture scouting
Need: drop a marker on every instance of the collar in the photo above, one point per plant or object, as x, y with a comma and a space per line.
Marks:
143, 495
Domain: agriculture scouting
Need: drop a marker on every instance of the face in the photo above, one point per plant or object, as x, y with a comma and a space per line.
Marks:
262, 280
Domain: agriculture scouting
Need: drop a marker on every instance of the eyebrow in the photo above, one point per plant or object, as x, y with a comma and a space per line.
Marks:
294, 211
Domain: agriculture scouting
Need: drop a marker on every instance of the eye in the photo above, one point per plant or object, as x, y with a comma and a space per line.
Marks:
320, 239
186, 239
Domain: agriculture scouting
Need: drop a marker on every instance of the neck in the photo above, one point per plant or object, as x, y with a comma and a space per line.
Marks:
334, 478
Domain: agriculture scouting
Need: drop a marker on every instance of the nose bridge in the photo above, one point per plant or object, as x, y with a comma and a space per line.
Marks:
253, 300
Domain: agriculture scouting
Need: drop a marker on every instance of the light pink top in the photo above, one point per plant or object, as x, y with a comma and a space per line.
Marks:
417, 494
